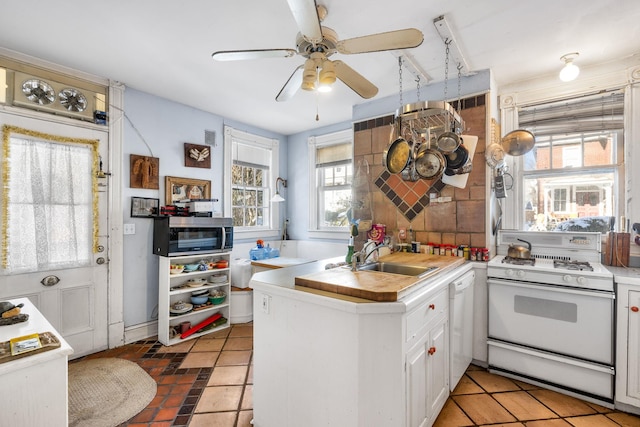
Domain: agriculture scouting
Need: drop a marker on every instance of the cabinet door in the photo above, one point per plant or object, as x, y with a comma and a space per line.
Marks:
428, 376
633, 352
437, 370
417, 385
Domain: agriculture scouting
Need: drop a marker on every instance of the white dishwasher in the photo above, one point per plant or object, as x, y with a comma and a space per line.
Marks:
460, 326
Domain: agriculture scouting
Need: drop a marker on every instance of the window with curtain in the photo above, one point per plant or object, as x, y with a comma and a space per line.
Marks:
331, 176
572, 172
252, 163
48, 201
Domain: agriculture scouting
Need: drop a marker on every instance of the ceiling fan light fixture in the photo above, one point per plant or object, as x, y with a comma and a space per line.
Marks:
327, 73
309, 75
570, 70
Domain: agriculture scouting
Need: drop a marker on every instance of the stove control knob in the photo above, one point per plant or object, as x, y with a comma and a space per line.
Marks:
520, 273
566, 278
581, 280
509, 272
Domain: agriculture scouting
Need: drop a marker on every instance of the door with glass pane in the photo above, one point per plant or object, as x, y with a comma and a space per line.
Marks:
54, 224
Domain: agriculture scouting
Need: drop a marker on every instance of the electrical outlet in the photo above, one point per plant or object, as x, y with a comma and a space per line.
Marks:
129, 229
266, 304
402, 233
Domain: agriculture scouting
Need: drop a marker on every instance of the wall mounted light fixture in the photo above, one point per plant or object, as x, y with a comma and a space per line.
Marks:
570, 70
277, 197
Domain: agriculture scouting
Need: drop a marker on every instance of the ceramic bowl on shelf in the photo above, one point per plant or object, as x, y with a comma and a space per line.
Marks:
217, 297
180, 308
191, 267
199, 299
176, 269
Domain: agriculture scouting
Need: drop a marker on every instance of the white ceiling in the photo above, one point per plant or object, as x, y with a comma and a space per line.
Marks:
164, 47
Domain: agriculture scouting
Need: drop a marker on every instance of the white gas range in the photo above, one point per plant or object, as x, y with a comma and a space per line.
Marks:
563, 259
551, 316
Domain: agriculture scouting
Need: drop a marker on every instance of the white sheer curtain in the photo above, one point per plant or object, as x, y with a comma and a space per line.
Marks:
50, 205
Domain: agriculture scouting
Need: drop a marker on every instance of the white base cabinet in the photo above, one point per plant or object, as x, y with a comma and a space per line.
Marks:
174, 288
627, 396
428, 376
331, 361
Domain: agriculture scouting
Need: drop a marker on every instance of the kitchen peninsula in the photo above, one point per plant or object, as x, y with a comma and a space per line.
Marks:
329, 357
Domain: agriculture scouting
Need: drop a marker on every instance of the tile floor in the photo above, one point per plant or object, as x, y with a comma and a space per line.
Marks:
208, 382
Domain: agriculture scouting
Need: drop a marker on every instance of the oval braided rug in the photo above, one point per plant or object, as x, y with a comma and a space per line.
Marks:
107, 392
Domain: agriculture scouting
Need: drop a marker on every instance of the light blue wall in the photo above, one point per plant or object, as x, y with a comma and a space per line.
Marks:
165, 126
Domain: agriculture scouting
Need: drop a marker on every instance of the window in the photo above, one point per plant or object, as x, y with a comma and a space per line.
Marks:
331, 174
574, 166
251, 161
49, 202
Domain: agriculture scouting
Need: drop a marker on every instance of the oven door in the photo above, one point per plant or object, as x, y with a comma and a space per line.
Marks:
567, 321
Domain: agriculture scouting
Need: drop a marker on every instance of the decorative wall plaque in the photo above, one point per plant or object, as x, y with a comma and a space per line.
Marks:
144, 172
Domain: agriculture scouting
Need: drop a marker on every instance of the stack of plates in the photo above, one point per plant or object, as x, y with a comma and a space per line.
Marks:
187, 307
221, 278
196, 283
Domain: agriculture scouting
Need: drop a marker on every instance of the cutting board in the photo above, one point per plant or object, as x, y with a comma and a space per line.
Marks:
375, 285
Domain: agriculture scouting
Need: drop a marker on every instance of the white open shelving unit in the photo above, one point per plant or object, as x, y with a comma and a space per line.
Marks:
173, 288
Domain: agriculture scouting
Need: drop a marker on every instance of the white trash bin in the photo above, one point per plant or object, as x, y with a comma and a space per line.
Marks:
241, 296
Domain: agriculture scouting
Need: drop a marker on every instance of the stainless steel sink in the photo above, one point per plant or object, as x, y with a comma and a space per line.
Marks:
407, 270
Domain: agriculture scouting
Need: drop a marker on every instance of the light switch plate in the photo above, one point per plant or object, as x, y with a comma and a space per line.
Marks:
129, 229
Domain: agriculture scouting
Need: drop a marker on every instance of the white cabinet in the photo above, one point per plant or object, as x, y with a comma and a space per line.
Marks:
628, 349
178, 287
428, 363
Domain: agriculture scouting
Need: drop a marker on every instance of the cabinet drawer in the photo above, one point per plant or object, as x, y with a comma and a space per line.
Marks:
419, 319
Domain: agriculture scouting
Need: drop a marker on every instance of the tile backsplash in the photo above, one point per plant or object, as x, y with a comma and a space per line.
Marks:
385, 198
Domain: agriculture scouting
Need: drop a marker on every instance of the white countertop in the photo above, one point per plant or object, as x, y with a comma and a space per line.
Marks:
628, 276
281, 281
280, 262
36, 324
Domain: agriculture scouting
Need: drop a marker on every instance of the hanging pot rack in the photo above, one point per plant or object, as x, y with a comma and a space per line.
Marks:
429, 117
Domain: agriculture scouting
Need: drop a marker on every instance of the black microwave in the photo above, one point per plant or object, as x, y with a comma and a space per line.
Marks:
176, 235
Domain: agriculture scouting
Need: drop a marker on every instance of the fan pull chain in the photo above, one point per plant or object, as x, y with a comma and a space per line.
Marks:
418, 88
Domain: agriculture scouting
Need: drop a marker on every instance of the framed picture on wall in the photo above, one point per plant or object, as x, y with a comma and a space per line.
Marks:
143, 207
176, 189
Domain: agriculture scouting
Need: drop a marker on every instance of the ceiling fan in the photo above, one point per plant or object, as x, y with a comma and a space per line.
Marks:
317, 44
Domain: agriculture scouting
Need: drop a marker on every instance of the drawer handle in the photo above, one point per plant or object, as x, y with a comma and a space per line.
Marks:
635, 309
432, 306
431, 350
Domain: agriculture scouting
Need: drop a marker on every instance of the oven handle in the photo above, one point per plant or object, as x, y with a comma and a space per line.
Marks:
555, 288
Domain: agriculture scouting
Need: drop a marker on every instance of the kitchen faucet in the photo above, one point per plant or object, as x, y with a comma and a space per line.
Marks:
356, 256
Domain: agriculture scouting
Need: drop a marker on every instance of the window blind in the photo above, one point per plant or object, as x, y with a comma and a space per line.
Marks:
602, 111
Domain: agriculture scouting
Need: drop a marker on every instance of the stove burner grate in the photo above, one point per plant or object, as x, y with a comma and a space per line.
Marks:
573, 265
519, 261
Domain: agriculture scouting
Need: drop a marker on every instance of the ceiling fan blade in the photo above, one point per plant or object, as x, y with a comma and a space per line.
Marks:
354, 80
400, 39
291, 86
241, 55
305, 13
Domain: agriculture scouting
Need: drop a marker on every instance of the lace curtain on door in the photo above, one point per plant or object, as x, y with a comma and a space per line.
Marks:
49, 201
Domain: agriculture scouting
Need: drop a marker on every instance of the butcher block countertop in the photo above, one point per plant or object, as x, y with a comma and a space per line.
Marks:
376, 285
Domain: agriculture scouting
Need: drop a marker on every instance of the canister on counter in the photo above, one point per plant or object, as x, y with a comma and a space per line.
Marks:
485, 254
467, 253
474, 253
415, 247
436, 249
461, 251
